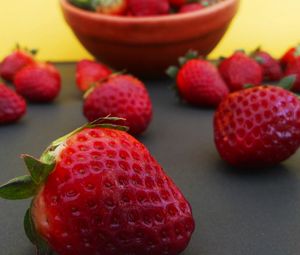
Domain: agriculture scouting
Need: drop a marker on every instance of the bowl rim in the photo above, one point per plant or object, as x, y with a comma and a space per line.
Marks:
149, 19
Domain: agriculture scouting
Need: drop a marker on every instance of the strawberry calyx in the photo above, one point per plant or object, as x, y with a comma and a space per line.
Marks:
172, 71
297, 51
33, 52
85, 4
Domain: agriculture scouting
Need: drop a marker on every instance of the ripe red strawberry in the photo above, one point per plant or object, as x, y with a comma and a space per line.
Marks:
178, 3
148, 7
293, 68
258, 127
112, 7
198, 82
99, 191
89, 72
123, 96
270, 66
290, 55
38, 82
15, 62
12, 106
191, 7
239, 70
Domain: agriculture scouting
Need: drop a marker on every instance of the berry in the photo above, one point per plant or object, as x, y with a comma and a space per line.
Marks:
148, 7
178, 3
112, 7
123, 96
293, 68
191, 7
290, 55
99, 191
270, 66
12, 106
38, 82
199, 83
239, 70
89, 72
258, 127
14, 63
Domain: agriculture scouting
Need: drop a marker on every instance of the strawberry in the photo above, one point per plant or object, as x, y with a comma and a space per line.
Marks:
15, 62
239, 70
123, 96
270, 66
198, 81
112, 7
178, 3
38, 82
258, 127
148, 7
89, 72
99, 191
290, 55
293, 68
191, 7
12, 106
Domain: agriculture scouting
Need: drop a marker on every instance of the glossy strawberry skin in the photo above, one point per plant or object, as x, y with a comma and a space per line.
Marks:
107, 195
191, 7
200, 84
38, 82
271, 68
293, 68
148, 7
258, 127
89, 72
239, 70
12, 106
122, 96
113, 7
14, 63
289, 56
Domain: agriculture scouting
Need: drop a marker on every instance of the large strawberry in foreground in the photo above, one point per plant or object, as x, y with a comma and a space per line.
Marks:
258, 127
198, 81
123, 96
99, 191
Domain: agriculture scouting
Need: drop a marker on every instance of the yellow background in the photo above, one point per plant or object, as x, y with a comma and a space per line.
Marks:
274, 24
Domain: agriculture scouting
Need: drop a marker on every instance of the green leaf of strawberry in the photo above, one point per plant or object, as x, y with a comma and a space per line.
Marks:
287, 82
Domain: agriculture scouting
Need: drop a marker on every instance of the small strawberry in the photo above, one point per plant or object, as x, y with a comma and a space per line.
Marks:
15, 62
99, 191
38, 82
148, 7
191, 7
270, 66
239, 70
258, 127
12, 106
290, 55
112, 7
293, 68
198, 81
89, 72
123, 96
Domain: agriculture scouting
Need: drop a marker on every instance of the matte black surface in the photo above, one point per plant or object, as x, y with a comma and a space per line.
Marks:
236, 214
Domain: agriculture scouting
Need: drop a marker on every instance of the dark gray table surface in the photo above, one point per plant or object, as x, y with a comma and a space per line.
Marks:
236, 213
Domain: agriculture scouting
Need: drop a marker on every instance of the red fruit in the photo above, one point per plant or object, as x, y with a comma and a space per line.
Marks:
270, 66
178, 3
112, 7
239, 70
103, 193
293, 68
89, 72
38, 82
148, 7
12, 106
290, 56
13, 63
191, 7
258, 127
123, 96
200, 84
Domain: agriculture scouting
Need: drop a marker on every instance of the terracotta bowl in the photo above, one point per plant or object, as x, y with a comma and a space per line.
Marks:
147, 46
